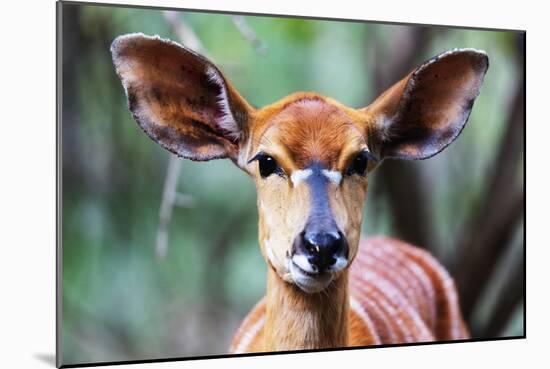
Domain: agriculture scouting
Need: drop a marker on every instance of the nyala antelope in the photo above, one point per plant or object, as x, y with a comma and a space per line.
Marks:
310, 157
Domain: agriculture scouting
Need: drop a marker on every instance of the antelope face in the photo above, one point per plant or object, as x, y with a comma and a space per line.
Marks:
309, 155
310, 159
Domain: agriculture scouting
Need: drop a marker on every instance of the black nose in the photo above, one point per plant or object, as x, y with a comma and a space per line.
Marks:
322, 248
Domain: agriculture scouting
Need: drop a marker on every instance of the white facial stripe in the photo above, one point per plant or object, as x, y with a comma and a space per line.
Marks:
333, 176
299, 176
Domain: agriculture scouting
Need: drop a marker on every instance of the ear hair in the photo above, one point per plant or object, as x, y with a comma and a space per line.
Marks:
227, 121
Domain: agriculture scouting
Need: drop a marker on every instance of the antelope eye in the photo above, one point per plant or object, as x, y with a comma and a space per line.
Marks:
267, 166
359, 165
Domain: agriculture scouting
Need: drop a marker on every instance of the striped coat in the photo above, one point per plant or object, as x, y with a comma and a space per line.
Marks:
398, 294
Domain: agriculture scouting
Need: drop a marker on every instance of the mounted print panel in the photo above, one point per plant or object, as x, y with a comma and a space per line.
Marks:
240, 183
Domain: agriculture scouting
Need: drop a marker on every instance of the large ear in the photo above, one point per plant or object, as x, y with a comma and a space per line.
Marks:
179, 98
423, 113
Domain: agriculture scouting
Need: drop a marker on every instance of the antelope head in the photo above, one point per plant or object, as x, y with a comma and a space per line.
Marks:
309, 155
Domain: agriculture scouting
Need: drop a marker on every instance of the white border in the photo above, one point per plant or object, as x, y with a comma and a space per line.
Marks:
27, 195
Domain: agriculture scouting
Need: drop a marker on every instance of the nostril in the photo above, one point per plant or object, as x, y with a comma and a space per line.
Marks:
322, 240
310, 245
322, 248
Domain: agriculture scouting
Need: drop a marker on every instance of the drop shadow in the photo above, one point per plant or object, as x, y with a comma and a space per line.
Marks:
46, 358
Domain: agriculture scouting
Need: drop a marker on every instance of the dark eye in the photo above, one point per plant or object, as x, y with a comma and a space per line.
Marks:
359, 164
267, 166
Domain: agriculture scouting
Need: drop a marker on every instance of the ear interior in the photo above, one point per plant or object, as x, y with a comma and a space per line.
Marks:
179, 98
423, 113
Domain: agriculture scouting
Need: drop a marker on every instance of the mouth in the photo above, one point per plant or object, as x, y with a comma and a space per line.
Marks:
307, 281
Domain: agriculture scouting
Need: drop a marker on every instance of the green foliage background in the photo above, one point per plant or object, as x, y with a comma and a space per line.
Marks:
121, 302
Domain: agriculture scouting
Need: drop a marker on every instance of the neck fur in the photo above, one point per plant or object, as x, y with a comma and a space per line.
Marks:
296, 320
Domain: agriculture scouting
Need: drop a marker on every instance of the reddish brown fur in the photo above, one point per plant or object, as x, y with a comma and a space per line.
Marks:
308, 127
312, 130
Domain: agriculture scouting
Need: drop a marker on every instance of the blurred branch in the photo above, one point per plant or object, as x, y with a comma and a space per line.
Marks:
170, 196
186, 35
400, 182
508, 300
219, 250
487, 235
407, 49
71, 52
485, 238
493, 227
248, 33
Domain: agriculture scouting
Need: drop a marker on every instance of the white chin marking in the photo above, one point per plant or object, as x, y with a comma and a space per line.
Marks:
340, 264
300, 175
333, 175
303, 263
306, 283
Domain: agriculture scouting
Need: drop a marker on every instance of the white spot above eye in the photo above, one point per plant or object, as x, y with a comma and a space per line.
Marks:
333, 176
300, 175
